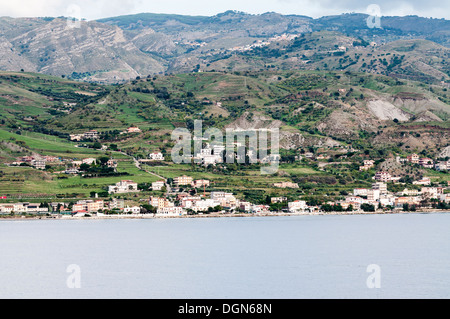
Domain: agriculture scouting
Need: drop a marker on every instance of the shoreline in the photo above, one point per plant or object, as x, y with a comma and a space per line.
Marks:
217, 215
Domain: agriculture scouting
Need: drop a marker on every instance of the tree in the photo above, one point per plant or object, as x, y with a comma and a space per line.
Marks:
113, 147
368, 207
103, 160
148, 209
84, 167
97, 145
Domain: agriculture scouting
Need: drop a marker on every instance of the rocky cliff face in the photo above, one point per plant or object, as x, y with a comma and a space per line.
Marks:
94, 50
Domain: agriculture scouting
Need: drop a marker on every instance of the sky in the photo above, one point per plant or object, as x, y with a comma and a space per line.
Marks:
96, 9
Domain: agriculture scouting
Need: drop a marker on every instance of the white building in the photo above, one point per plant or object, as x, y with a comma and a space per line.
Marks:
443, 166
258, 209
410, 192
124, 186
20, 208
432, 192
224, 199
182, 180
382, 187
373, 194
423, 181
205, 204
90, 206
354, 199
91, 135
387, 200
189, 201
38, 164
297, 206
360, 191
116, 204
211, 159
6, 208
444, 198
157, 186
132, 210
171, 211
245, 206
383, 176
89, 161
34, 208
275, 200
218, 150
156, 156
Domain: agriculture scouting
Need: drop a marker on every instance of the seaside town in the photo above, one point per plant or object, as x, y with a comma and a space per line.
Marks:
186, 196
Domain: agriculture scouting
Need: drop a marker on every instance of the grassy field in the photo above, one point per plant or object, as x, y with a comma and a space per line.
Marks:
49, 145
26, 180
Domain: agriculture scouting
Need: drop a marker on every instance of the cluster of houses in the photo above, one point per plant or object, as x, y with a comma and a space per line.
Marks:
199, 204
182, 181
214, 154
76, 164
383, 176
72, 166
132, 129
378, 195
425, 162
185, 203
27, 208
129, 186
36, 161
91, 135
219, 200
211, 155
84, 207
262, 43
95, 135
80, 208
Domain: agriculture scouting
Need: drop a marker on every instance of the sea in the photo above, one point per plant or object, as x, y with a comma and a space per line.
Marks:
398, 256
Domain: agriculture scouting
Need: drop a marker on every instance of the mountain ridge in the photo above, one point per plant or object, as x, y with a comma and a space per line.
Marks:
117, 49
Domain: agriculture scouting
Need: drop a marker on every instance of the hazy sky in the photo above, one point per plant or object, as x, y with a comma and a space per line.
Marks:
95, 9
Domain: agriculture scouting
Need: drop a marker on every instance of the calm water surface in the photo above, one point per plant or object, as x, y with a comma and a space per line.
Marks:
280, 257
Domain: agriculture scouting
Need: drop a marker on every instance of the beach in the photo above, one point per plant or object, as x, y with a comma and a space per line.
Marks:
217, 215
